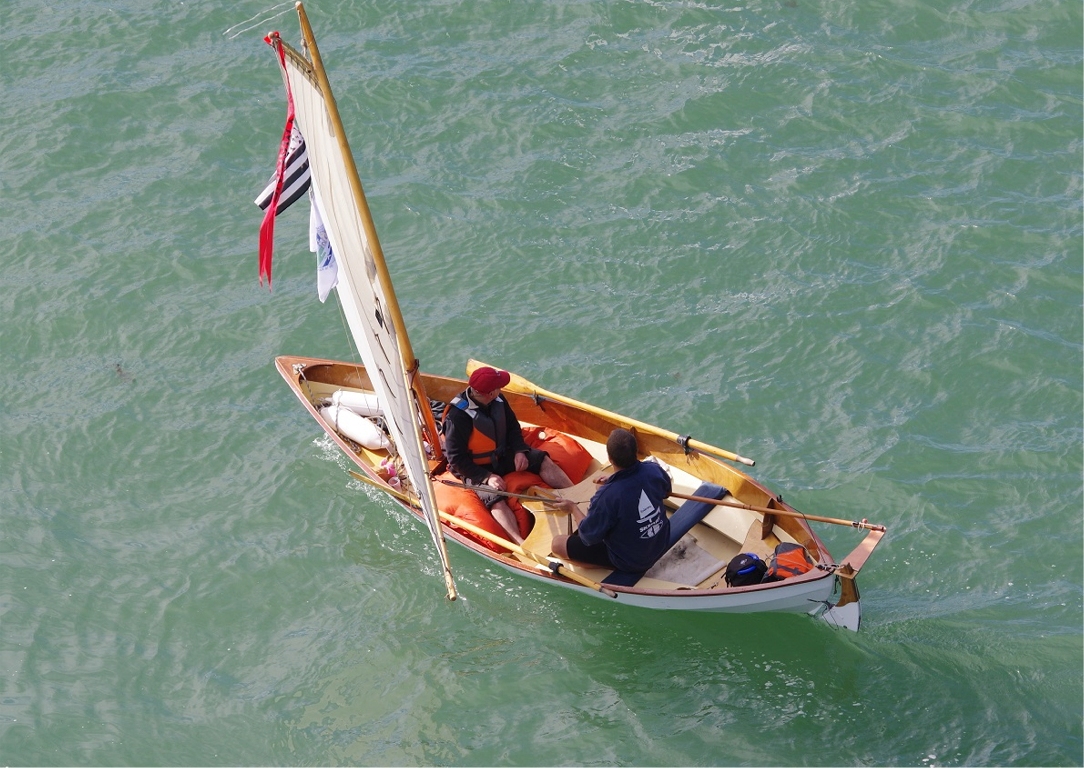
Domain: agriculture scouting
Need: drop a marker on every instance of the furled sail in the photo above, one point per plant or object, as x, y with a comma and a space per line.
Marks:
364, 286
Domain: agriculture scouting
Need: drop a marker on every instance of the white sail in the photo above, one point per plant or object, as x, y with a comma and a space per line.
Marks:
364, 287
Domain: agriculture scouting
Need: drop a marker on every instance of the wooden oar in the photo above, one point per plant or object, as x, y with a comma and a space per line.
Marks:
555, 566
412, 500
784, 512
521, 386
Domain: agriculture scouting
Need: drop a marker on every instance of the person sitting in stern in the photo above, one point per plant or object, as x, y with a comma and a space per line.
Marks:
626, 527
483, 442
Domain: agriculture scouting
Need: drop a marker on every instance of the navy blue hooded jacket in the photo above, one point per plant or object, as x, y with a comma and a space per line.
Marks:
627, 514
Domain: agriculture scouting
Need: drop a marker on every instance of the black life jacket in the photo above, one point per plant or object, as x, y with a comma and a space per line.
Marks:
487, 439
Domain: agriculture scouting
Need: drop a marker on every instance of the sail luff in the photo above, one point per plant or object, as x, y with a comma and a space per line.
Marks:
364, 273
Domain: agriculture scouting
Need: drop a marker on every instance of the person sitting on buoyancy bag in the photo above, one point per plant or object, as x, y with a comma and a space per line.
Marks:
483, 442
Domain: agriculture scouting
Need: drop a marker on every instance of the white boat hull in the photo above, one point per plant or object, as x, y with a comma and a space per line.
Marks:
792, 598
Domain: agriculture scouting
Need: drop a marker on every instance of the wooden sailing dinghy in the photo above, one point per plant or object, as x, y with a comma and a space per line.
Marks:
380, 413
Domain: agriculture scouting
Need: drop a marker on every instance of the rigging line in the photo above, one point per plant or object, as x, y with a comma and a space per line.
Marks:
779, 498
288, 5
358, 363
308, 387
355, 350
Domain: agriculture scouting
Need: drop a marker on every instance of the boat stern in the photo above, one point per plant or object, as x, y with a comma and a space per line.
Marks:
847, 611
847, 616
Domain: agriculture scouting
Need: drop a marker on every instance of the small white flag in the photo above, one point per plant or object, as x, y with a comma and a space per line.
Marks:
327, 271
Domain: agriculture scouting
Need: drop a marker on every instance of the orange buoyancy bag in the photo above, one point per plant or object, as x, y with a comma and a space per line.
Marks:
565, 451
788, 560
522, 482
465, 504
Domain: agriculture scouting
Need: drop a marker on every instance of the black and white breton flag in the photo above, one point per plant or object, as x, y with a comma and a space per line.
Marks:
295, 179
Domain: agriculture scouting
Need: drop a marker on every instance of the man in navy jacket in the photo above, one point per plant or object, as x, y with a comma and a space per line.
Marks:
626, 527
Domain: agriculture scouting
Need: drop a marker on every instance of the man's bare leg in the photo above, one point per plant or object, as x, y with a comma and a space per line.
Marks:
552, 475
504, 515
560, 547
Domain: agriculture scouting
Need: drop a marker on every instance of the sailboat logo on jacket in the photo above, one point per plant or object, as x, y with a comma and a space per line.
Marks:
650, 519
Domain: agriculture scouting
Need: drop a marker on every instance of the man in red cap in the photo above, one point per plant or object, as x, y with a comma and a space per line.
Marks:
483, 442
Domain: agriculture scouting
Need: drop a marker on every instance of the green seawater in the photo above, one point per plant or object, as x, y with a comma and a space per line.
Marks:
844, 239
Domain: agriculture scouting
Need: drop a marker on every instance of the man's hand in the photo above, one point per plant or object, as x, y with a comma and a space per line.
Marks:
496, 481
520, 460
571, 507
568, 506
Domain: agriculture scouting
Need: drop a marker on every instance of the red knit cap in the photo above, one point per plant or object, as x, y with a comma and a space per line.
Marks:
487, 379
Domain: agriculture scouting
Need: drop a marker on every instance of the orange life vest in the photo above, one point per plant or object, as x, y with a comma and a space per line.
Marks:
789, 560
489, 429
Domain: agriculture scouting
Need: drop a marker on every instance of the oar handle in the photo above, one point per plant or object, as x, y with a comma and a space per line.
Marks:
784, 512
403, 497
556, 566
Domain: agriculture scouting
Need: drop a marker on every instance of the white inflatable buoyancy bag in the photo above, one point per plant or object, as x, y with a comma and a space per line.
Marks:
361, 403
357, 428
